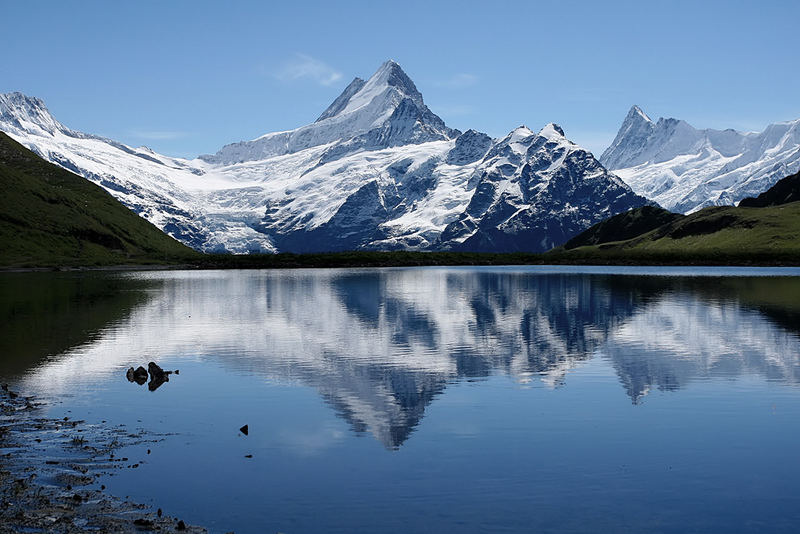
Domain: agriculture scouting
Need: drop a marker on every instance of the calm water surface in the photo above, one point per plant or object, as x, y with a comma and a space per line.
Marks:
433, 399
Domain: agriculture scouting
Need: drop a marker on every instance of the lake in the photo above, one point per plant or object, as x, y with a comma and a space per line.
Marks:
519, 399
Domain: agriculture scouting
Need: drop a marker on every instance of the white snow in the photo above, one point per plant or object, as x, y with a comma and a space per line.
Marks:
685, 169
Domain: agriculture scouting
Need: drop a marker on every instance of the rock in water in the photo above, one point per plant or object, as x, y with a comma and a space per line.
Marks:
138, 375
244, 430
155, 371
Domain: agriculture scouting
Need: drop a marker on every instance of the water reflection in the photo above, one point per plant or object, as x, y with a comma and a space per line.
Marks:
380, 345
43, 315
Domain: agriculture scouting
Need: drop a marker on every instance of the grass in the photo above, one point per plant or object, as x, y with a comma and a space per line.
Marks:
719, 235
52, 217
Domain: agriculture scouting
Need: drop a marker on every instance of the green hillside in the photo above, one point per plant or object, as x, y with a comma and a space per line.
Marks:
623, 226
717, 235
51, 217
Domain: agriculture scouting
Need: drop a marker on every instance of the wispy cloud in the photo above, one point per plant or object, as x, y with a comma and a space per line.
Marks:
303, 66
158, 135
457, 81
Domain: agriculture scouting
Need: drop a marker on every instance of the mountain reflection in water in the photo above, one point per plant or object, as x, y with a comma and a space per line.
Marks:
380, 345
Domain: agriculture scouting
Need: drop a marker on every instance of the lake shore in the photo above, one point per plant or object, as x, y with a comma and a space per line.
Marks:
49, 471
364, 259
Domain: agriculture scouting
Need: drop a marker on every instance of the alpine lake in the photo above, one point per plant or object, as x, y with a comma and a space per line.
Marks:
514, 399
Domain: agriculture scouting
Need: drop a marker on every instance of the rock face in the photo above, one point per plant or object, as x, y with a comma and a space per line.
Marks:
684, 169
376, 170
535, 191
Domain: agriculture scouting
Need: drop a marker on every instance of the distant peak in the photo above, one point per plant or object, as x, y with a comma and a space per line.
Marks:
552, 130
28, 113
17, 100
390, 64
389, 79
391, 74
636, 114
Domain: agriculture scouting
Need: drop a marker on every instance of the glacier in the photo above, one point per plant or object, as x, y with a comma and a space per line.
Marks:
685, 169
378, 170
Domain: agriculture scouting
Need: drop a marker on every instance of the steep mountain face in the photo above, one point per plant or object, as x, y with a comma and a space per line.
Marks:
684, 169
535, 191
376, 170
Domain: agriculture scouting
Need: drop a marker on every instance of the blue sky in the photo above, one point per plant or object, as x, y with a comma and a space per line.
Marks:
186, 77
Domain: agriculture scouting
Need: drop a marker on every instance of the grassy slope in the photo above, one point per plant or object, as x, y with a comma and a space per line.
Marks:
717, 235
622, 226
51, 217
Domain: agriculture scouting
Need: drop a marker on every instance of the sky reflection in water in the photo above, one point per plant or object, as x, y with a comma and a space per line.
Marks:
432, 399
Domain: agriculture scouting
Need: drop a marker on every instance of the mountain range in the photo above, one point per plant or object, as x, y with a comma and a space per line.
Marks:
684, 169
376, 170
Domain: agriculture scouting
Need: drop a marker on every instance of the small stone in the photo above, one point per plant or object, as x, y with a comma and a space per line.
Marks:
245, 430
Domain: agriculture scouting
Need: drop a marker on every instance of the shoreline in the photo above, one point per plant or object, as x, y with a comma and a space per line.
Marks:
411, 259
49, 472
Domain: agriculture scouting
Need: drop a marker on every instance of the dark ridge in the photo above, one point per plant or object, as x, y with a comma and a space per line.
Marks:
783, 192
624, 226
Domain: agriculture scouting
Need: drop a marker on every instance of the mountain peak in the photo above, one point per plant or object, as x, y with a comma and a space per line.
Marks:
383, 90
632, 137
636, 114
552, 130
21, 112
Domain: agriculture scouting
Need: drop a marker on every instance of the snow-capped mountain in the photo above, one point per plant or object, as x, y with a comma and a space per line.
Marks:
685, 169
166, 191
376, 170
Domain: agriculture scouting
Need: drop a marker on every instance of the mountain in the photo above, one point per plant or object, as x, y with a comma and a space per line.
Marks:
684, 169
785, 191
376, 170
385, 111
50, 216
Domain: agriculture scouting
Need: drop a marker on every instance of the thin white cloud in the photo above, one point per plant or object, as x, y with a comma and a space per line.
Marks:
302, 66
457, 81
157, 135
